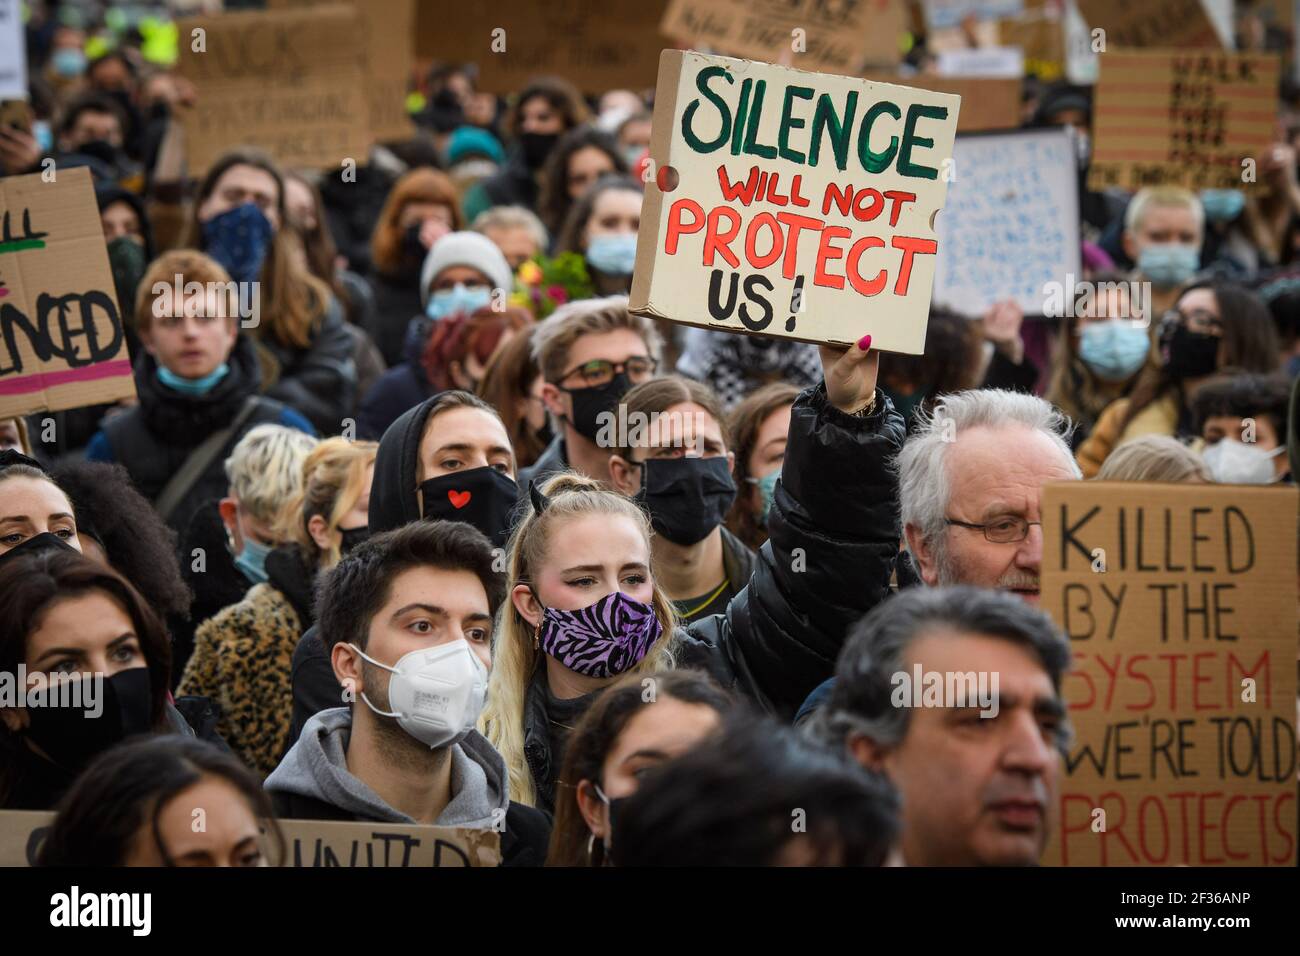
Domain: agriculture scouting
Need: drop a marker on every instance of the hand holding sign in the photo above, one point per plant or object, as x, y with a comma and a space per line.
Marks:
850, 374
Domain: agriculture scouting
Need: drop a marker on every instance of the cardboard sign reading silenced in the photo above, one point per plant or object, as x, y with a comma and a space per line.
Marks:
1179, 602
792, 204
61, 341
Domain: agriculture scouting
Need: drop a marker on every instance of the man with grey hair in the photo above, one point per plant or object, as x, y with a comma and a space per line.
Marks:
978, 784
970, 478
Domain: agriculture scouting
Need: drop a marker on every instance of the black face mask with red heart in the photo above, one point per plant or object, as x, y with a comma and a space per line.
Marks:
482, 497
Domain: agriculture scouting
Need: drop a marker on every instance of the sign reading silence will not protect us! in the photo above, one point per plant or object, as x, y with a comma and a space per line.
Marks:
792, 204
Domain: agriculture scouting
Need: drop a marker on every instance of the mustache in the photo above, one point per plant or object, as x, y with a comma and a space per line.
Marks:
1017, 581
1020, 788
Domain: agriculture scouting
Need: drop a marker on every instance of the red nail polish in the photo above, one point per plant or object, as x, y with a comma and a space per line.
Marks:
864, 343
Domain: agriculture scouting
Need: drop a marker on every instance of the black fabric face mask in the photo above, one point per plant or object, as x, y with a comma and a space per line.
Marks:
1191, 354
413, 250
589, 404
536, 147
352, 537
72, 737
482, 497
686, 497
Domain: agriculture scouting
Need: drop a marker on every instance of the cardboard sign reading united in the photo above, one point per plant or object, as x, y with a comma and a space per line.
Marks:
290, 81
61, 341
313, 843
1181, 118
836, 37
1183, 687
792, 204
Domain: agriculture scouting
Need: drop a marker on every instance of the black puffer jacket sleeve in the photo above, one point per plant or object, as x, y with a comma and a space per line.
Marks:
320, 381
833, 539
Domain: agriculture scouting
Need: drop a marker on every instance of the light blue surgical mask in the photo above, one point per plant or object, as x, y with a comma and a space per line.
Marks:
43, 134
461, 298
252, 560
767, 488
1114, 349
613, 253
1169, 264
68, 61
1222, 205
192, 386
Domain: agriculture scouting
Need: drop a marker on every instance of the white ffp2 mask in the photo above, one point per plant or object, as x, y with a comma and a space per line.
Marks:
436, 693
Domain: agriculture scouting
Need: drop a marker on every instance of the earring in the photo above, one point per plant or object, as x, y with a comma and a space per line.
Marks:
537, 635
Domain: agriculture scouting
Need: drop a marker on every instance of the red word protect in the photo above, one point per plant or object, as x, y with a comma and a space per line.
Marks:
772, 236
1194, 829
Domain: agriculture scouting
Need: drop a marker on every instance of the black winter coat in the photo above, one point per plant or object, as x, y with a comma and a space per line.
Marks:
320, 381
834, 533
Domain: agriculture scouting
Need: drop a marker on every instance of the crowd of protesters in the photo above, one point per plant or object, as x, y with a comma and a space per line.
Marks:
379, 557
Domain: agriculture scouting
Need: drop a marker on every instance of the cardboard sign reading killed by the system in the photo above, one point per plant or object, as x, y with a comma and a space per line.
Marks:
809, 34
313, 843
1179, 603
792, 204
388, 29
290, 81
61, 341
597, 45
1189, 118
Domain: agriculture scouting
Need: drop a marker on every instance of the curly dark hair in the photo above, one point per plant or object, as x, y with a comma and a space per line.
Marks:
138, 543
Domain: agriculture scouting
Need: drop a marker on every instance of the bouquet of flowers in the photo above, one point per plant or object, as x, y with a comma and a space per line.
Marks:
544, 284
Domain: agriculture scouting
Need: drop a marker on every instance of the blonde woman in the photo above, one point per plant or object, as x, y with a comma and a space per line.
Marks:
242, 656
585, 606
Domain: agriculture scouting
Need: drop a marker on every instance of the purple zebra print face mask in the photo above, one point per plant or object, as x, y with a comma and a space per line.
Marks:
604, 640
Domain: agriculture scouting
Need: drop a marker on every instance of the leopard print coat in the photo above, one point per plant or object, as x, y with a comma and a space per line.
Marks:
241, 661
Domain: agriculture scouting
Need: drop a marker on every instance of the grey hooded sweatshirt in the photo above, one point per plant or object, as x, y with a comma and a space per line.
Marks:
316, 768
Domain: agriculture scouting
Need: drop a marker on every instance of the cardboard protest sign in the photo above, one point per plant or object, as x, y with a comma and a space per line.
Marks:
813, 35
1011, 222
13, 51
1181, 118
597, 45
314, 843
1041, 35
986, 102
61, 339
327, 843
995, 61
388, 29
290, 81
1179, 602
1163, 23
947, 14
792, 204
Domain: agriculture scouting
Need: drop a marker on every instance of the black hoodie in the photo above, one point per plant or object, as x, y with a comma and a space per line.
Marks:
392, 505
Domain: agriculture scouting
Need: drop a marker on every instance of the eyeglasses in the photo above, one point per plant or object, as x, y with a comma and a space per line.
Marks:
1005, 530
1200, 321
599, 372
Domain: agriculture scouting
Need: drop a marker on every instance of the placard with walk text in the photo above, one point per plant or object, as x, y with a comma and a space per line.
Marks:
1193, 118
61, 339
1179, 603
792, 204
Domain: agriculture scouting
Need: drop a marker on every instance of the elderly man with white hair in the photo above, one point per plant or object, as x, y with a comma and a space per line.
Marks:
970, 478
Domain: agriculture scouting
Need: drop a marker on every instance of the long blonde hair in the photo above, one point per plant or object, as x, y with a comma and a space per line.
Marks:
332, 478
514, 659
